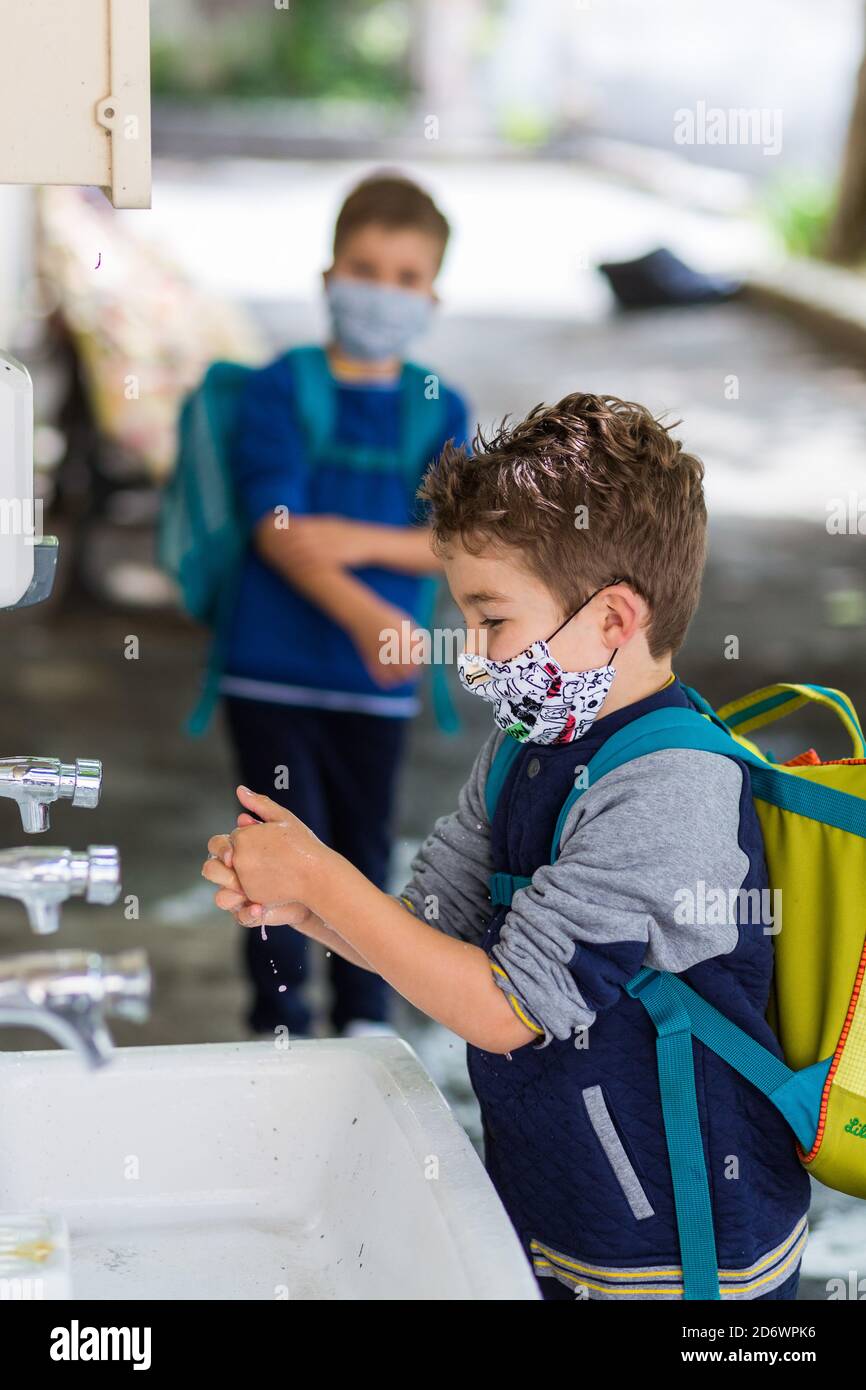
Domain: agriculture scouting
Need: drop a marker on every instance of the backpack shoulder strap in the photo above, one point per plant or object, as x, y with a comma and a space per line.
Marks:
661, 729
423, 422
500, 767
201, 536
315, 396
197, 507
684, 728
207, 417
664, 728
502, 886
421, 436
423, 416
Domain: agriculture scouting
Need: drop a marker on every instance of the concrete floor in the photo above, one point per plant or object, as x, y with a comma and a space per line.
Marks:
793, 594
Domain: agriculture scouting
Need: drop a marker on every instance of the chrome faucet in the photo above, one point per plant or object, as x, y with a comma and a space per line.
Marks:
69, 994
42, 879
35, 782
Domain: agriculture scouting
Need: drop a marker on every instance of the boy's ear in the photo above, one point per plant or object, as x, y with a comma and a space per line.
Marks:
625, 612
326, 274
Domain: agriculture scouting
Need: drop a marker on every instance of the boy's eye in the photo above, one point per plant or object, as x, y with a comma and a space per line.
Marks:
491, 622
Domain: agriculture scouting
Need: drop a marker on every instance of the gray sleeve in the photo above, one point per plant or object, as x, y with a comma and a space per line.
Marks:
653, 837
450, 872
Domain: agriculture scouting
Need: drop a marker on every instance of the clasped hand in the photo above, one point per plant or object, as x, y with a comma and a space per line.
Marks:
265, 868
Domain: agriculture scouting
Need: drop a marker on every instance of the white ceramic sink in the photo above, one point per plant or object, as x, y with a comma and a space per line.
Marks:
241, 1171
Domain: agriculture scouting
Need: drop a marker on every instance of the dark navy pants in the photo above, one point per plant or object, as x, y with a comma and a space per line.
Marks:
342, 771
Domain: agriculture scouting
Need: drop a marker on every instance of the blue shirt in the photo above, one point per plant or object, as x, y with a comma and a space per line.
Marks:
281, 647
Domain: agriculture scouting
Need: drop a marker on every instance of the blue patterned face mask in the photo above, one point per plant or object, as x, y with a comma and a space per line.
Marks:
374, 322
534, 699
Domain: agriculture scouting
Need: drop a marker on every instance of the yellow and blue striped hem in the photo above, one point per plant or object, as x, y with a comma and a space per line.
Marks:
666, 1281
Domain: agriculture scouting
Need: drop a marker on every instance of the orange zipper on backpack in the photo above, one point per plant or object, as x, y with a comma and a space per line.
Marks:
837, 1055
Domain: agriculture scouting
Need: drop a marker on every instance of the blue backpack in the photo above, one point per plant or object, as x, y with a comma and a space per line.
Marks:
203, 538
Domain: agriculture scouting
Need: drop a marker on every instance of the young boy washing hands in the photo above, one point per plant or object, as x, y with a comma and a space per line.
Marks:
575, 542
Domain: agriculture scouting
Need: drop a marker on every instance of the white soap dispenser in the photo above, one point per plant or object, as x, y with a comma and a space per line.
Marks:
27, 559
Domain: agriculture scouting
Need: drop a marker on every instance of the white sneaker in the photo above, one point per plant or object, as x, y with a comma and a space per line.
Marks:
367, 1028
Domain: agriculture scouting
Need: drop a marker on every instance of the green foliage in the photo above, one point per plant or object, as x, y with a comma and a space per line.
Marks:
523, 127
800, 209
349, 49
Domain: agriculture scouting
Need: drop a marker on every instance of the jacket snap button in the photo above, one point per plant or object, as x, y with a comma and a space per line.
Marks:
533, 768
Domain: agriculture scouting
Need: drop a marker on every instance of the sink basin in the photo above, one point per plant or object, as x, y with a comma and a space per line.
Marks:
325, 1170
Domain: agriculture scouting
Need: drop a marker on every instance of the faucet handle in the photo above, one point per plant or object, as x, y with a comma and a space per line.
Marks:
126, 983
87, 781
103, 874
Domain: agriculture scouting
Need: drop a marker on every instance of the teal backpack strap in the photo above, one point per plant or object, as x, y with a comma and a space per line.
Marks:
444, 709
423, 428
704, 706
202, 538
423, 421
447, 718
676, 1066
796, 1094
499, 770
502, 886
199, 719
660, 730
679, 1013
683, 728
315, 396
423, 425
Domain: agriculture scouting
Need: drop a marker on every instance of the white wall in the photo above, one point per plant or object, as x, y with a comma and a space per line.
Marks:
17, 212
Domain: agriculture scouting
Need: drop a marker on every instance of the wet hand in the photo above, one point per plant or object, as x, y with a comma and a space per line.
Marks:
230, 897
275, 858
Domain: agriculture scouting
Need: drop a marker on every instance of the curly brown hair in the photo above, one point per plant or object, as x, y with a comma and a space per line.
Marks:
589, 490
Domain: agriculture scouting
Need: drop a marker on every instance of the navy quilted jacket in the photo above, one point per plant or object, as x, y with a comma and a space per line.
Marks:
573, 1129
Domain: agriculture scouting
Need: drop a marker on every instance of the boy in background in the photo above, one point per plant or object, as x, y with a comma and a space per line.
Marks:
308, 701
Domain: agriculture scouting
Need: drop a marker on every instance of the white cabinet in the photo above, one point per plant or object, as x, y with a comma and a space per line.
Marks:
75, 95
16, 494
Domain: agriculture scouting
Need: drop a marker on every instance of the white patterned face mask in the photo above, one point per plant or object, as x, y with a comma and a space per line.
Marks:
534, 699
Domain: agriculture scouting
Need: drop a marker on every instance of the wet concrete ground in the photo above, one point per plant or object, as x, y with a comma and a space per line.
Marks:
793, 594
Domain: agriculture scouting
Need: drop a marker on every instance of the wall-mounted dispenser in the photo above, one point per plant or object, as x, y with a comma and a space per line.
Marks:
75, 95
28, 559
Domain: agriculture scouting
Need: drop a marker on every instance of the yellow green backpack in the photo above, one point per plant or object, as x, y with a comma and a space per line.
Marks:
813, 819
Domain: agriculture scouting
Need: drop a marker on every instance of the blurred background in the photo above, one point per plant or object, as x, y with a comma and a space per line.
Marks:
553, 135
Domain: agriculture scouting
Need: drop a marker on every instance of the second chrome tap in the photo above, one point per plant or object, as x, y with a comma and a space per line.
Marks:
36, 782
43, 879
